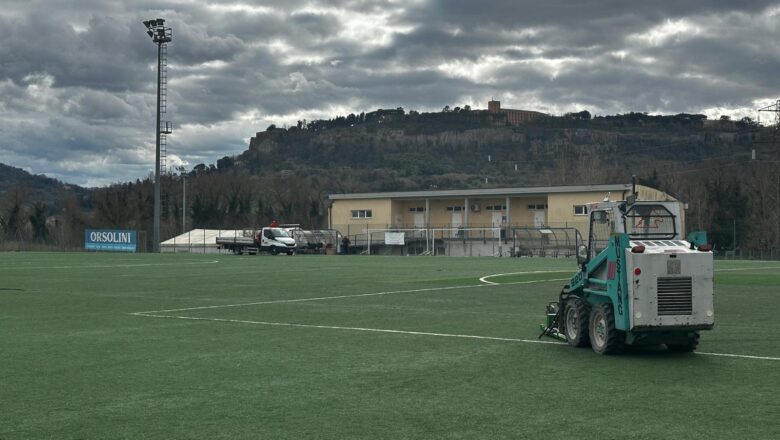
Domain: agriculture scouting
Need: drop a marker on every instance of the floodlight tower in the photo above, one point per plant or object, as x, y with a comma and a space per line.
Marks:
160, 35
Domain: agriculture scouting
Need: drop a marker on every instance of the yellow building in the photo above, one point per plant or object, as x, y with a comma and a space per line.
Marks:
505, 208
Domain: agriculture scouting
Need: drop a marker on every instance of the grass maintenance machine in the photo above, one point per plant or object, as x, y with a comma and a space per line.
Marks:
640, 282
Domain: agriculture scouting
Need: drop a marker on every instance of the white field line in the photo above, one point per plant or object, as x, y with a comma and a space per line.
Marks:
322, 298
748, 268
743, 356
484, 279
111, 265
361, 329
408, 332
155, 314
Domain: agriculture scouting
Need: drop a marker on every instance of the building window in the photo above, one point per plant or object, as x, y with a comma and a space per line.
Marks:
417, 209
455, 208
580, 210
361, 213
537, 206
495, 208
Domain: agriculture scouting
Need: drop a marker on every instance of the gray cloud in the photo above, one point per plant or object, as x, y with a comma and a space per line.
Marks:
77, 89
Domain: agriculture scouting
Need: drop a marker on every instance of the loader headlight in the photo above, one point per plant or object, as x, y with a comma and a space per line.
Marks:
709, 313
638, 315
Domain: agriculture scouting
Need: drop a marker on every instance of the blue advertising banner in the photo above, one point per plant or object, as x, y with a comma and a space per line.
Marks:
109, 240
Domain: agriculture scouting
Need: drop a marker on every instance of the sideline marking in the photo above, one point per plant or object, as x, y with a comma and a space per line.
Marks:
112, 265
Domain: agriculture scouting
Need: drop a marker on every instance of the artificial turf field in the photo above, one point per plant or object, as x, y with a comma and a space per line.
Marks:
431, 353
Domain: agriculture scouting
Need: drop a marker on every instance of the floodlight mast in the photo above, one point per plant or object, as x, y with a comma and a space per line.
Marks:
160, 35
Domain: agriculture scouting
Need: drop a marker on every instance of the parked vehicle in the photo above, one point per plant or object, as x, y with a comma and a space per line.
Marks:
268, 239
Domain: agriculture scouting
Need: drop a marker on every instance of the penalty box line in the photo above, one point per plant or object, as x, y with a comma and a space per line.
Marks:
357, 295
362, 329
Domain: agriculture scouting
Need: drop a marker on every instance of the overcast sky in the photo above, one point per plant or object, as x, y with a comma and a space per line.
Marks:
77, 78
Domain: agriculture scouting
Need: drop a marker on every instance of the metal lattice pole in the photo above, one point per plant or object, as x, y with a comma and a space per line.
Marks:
160, 35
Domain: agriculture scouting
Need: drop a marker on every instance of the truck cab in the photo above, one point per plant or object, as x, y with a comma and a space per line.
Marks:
275, 240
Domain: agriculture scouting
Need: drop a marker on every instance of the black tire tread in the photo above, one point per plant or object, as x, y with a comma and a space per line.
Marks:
582, 306
615, 338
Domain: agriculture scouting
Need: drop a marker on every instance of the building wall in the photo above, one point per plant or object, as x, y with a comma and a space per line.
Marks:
514, 117
558, 210
382, 213
561, 211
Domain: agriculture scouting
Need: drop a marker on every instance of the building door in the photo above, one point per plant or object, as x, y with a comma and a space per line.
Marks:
457, 219
538, 219
419, 219
419, 222
497, 220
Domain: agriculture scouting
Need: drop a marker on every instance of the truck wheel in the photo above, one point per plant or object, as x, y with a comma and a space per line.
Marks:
687, 347
604, 337
290, 252
274, 250
575, 322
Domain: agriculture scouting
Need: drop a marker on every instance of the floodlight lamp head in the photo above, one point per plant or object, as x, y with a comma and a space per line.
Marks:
151, 34
147, 23
160, 22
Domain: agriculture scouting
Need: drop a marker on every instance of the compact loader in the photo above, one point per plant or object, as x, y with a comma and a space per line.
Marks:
640, 282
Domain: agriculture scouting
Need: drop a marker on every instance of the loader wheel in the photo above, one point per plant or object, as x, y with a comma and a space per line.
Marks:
575, 322
604, 337
687, 347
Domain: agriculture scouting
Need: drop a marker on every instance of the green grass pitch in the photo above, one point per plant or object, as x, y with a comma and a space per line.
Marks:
78, 361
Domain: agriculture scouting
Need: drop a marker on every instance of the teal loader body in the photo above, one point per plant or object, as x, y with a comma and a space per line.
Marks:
639, 282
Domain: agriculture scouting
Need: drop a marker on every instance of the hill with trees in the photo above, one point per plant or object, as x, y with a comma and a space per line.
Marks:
287, 172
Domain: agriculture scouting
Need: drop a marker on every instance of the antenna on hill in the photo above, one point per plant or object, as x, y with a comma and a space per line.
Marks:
773, 108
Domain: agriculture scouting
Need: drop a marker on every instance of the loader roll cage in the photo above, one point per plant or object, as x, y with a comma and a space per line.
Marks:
639, 221
649, 221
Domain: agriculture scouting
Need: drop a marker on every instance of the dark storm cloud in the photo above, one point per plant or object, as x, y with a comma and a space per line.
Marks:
77, 91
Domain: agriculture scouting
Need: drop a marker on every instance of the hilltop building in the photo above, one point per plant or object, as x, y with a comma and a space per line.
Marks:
514, 117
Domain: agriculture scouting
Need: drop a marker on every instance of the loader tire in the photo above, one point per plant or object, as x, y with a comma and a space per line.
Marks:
575, 321
604, 337
688, 347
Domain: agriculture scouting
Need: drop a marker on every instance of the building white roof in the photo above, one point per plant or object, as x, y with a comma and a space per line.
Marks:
530, 191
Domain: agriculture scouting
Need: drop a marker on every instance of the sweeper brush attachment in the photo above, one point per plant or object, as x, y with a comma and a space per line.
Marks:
552, 326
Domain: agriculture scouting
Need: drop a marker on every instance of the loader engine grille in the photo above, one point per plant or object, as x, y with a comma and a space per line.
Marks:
675, 296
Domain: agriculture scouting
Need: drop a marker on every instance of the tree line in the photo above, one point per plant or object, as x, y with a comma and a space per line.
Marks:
287, 173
